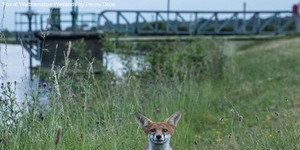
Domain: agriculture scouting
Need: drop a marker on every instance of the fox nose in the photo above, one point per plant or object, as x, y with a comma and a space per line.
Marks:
158, 137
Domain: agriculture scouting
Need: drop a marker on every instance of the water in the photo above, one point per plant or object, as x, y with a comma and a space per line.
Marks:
15, 67
118, 63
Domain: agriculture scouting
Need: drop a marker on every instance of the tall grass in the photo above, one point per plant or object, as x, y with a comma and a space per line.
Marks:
247, 100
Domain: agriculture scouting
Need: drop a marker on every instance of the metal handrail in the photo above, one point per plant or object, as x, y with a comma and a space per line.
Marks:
200, 22
209, 23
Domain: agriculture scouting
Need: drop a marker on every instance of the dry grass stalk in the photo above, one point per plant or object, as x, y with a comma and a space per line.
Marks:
67, 61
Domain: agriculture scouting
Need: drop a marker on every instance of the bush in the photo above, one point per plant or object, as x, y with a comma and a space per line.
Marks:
203, 57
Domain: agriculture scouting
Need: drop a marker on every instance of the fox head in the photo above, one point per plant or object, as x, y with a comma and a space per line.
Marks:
158, 132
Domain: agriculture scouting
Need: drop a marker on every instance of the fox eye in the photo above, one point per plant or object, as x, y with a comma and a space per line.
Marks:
152, 130
165, 130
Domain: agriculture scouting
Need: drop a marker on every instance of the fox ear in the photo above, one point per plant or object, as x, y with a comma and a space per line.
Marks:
142, 120
174, 118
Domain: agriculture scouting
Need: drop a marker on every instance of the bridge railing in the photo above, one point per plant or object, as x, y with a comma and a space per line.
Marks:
85, 21
196, 22
21, 21
169, 22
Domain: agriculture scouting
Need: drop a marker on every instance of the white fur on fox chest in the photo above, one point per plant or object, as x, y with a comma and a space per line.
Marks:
158, 146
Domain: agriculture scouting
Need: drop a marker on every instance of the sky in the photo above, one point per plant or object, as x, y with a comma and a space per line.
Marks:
43, 6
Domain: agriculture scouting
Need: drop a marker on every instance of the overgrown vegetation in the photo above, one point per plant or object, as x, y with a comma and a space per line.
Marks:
231, 98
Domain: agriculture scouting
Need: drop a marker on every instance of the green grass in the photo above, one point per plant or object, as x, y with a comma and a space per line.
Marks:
257, 97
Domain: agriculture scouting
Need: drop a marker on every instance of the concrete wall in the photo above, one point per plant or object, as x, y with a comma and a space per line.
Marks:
61, 39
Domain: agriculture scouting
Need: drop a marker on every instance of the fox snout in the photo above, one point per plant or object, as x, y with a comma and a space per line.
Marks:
159, 138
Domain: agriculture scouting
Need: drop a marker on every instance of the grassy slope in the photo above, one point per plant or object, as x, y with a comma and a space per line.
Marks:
258, 101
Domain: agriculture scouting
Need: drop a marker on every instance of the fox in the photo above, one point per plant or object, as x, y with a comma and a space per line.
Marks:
158, 133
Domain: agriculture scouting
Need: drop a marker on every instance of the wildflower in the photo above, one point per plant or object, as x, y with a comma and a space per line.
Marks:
45, 84
270, 136
151, 81
74, 95
217, 132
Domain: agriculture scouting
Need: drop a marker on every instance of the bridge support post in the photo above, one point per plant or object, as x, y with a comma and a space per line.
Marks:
297, 23
297, 20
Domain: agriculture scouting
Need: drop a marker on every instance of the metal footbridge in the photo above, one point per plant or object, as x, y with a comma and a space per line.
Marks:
196, 22
132, 22
32, 27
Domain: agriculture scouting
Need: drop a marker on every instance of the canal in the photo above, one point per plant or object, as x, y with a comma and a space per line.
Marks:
15, 67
